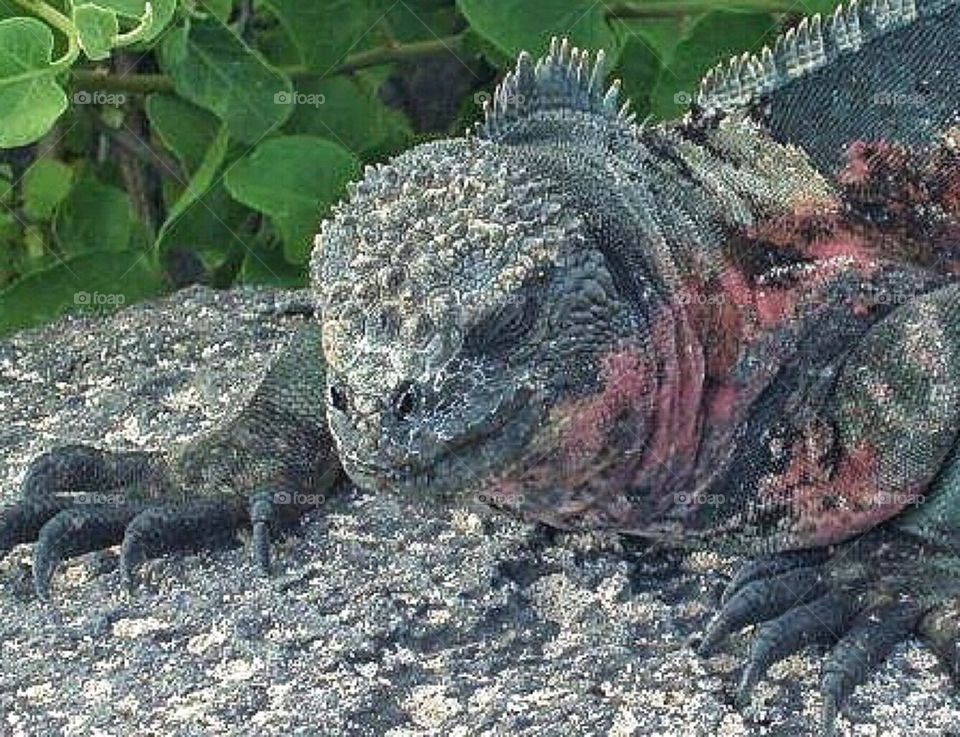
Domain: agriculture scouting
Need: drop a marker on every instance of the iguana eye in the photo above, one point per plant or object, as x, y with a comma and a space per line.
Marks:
503, 328
338, 397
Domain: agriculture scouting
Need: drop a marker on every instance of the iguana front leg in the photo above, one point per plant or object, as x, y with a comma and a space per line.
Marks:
263, 469
895, 408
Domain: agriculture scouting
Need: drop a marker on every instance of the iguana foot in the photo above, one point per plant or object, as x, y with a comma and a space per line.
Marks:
940, 627
77, 499
797, 599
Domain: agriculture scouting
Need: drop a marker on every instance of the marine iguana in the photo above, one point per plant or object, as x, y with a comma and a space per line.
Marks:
739, 331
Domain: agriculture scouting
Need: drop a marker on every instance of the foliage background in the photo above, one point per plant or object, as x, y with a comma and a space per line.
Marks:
147, 146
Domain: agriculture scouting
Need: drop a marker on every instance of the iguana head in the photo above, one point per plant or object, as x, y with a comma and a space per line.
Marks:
461, 299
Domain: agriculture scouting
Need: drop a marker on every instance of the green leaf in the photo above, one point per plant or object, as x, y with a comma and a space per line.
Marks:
294, 180
819, 6
423, 21
715, 37
97, 28
45, 185
268, 266
512, 26
199, 183
220, 9
214, 69
639, 69
30, 98
134, 12
184, 129
127, 8
94, 216
9, 9
7, 191
345, 112
95, 281
325, 31
211, 230
659, 35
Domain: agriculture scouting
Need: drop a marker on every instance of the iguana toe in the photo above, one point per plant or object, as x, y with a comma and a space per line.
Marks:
763, 568
163, 529
762, 599
78, 499
866, 600
22, 521
866, 643
262, 516
819, 620
940, 629
72, 532
58, 480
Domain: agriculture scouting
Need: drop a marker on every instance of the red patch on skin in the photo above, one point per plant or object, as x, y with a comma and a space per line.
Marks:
843, 246
832, 503
951, 194
905, 203
775, 306
641, 429
724, 400
628, 380
646, 412
665, 417
868, 159
817, 232
678, 396
718, 322
857, 169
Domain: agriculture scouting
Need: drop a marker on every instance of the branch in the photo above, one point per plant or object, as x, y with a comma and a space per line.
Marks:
672, 8
101, 80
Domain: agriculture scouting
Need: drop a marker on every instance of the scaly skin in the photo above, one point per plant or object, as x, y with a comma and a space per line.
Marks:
724, 333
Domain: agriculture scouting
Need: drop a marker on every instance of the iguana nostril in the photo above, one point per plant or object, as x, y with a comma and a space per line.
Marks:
338, 398
405, 400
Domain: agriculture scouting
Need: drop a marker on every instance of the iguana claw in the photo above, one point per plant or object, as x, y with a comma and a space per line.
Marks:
161, 529
867, 642
795, 603
78, 499
762, 599
72, 532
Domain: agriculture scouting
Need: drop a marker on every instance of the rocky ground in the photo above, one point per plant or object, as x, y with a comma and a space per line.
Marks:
386, 616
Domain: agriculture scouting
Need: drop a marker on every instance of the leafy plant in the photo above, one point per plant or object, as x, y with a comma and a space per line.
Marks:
149, 144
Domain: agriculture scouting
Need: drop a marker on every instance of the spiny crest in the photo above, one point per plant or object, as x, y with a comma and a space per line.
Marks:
564, 79
813, 44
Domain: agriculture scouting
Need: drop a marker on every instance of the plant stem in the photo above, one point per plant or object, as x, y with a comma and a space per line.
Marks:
96, 80
398, 53
671, 8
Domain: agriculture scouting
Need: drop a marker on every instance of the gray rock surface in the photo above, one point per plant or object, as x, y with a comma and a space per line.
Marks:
387, 616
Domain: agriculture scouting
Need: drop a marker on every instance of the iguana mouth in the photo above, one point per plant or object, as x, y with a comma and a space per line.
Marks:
461, 462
